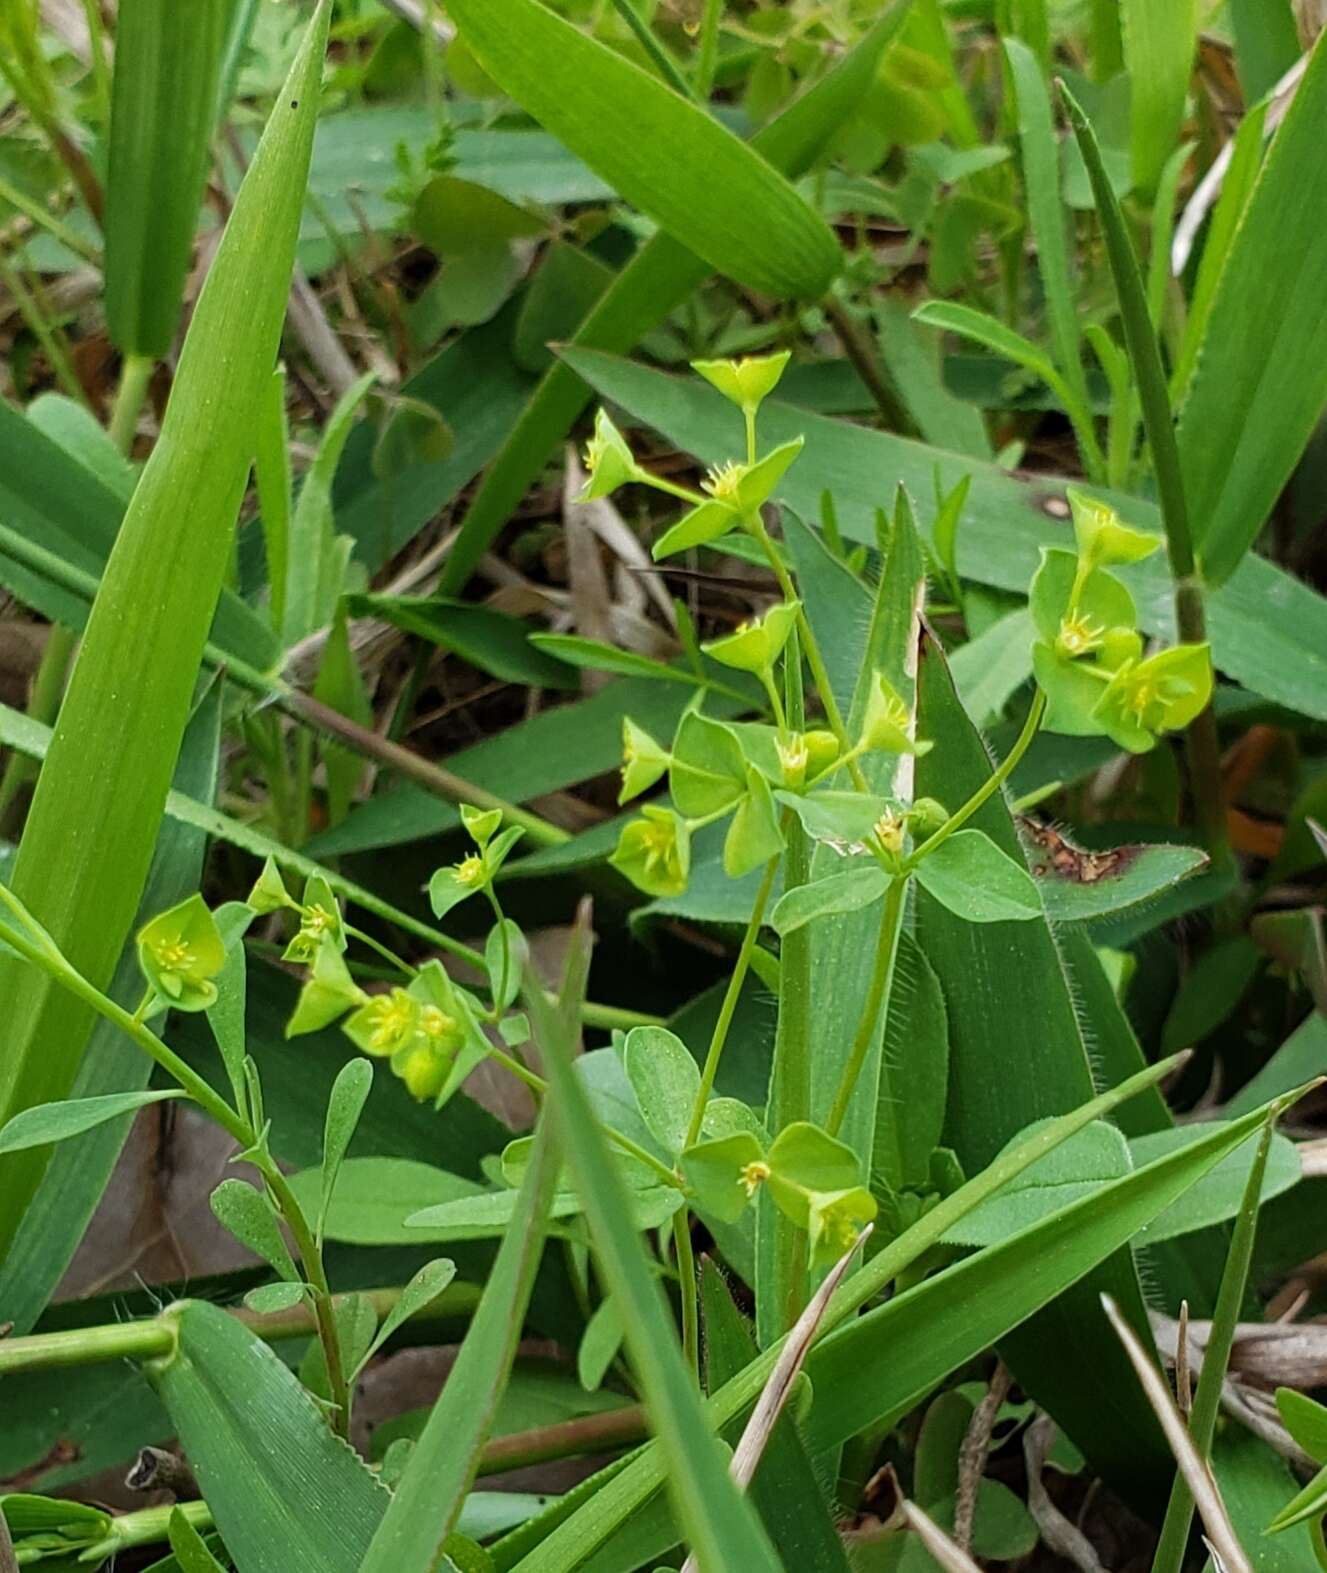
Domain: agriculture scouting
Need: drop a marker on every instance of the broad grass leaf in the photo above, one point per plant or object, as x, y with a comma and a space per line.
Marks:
285, 1493
700, 183
1018, 1053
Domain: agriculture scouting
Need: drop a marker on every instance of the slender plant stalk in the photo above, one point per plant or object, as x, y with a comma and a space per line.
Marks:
135, 375
1174, 1539
41, 216
707, 52
662, 59
47, 687
891, 919
860, 351
1201, 744
688, 1291
988, 788
45, 332
730, 998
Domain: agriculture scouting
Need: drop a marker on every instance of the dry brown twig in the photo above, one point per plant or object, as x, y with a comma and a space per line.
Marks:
973, 1454
1060, 1534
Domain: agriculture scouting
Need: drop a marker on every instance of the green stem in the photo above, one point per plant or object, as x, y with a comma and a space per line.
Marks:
890, 919
988, 788
689, 1290
46, 333
666, 65
146, 1527
43, 705
707, 53
815, 661
729, 1006
1171, 1547
219, 1110
135, 375
311, 1259
101, 76
504, 977
55, 227
387, 954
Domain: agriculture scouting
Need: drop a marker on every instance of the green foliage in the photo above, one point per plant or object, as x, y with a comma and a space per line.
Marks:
948, 803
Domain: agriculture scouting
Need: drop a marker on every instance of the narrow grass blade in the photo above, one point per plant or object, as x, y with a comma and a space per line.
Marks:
285, 1493
1040, 153
950, 1556
442, 1468
1196, 1472
1159, 44
1144, 352
661, 275
88, 841
720, 1525
1261, 379
661, 152
163, 109
1169, 1557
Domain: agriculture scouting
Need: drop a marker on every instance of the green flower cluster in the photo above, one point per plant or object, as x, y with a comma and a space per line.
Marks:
419, 1028
1088, 656
813, 1178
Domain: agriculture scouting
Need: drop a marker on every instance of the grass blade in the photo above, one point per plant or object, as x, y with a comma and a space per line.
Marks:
163, 110
1013, 973
446, 1458
100, 796
661, 152
1216, 1356
1261, 378
1041, 175
720, 1524
661, 275
1159, 44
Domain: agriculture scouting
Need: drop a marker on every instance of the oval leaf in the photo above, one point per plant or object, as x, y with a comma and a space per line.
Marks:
57, 1122
977, 881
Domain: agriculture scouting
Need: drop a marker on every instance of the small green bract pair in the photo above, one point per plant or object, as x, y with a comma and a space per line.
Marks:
1089, 658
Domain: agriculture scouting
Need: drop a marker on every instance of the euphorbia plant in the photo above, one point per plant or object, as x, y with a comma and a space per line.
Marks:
768, 779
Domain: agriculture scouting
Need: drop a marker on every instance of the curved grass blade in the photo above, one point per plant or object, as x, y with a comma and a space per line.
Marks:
1261, 377
699, 182
720, 1524
446, 1458
94, 819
